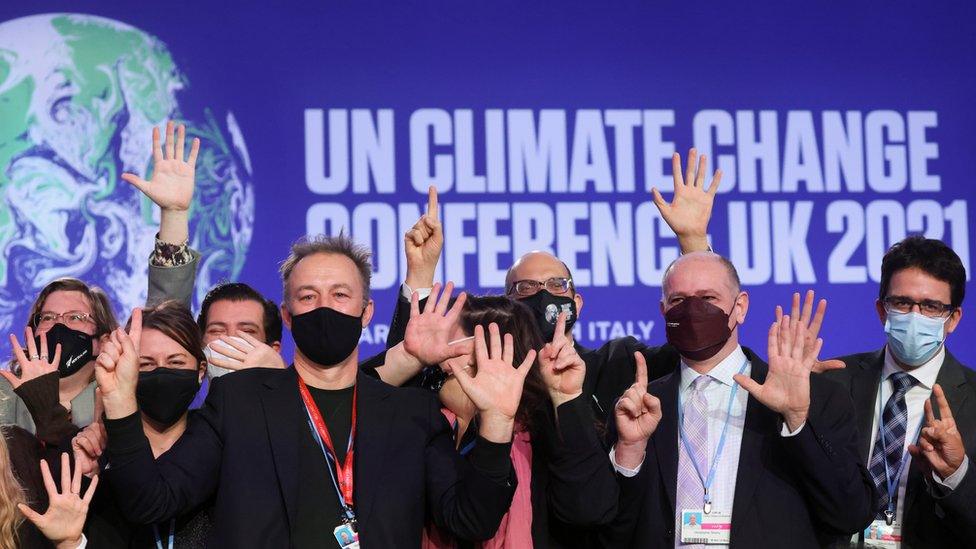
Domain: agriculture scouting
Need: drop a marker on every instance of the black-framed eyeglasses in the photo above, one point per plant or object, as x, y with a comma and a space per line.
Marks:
928, 307
71, 319
554, 285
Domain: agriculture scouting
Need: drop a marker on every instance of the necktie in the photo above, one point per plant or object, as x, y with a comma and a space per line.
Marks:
691, 493
889, 445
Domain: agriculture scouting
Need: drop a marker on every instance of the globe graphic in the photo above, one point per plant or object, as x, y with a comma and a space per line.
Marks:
79, 96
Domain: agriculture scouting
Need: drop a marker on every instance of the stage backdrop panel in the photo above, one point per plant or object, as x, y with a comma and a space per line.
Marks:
840, 128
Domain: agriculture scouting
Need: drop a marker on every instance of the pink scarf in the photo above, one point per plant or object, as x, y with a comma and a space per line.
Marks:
515, 530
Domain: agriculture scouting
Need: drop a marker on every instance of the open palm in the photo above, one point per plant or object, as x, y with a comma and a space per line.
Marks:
497, 387
428, 333
171, 186
690, 210
65, 516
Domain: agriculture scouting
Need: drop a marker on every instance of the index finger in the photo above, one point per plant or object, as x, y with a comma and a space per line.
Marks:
432, 202
135, 328
944, 411
560, 332
641, 377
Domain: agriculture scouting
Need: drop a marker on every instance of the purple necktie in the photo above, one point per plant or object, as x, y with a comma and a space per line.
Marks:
691, 493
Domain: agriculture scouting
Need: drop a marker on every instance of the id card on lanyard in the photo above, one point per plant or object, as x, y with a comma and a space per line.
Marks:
892, 483
341, 474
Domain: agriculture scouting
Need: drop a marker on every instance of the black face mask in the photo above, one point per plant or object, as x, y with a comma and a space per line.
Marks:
76, 348
547, 308
164, 394
326, 336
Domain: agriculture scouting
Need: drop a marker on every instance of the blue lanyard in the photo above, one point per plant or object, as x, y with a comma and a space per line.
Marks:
346, 510
893, 482
172, 534
707, 482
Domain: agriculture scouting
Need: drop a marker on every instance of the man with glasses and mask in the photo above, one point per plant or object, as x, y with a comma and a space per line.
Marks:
926, 492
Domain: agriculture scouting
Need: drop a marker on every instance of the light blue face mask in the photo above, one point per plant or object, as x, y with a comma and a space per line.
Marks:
913, 337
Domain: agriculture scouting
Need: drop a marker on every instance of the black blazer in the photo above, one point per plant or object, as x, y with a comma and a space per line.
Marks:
800, 491
243, 446
930, 519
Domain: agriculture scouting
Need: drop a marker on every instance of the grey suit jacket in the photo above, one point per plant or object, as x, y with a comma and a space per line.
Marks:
173, 282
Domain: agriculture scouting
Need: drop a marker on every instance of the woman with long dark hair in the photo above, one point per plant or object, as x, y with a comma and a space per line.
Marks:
565, 479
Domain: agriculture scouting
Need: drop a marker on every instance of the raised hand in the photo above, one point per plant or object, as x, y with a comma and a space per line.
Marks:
65, 516
117, 369
496, 390
423, 244
251, 353
428, 334
811, 322
87, 446
787, 386
35, 365
691, 208
636, 415
940, 446
561, 366
171, 186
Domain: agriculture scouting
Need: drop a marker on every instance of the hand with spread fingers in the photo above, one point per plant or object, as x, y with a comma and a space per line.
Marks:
117, 369
251, 353
428, 334
67, 509
496, 390
786, 389
940, 446
811, 321
423, 244
636, 415
561, 366
690, 210
35, 362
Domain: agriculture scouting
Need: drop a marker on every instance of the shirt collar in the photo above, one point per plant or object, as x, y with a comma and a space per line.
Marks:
722, 372
925, 374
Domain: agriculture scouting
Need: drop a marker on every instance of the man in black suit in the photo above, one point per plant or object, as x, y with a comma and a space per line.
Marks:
933, 500
775, 464
294, 456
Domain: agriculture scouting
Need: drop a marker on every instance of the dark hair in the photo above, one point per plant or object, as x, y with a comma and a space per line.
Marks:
336, 245
238, 291
513, 317
101, 307
173, 319
932, 257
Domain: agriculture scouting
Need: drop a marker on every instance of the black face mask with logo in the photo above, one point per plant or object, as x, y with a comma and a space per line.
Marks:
77, 348
326, 336
547, 308
164, 394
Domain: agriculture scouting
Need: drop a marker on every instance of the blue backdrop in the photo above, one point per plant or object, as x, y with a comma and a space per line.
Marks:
841, 128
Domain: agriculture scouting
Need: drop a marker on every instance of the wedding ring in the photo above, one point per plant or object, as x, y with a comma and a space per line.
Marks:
35, 357
43, 357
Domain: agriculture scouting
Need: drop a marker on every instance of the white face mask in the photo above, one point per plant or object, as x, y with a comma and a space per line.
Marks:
913, 337
216, 371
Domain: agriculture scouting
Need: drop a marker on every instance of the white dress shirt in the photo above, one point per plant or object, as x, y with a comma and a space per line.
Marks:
717, 393
915, 398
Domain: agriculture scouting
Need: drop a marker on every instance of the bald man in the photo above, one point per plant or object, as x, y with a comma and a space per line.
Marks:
767, 455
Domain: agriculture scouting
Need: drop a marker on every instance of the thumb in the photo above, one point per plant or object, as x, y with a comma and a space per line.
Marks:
137, 182
747, 383
30, 514
659, 200
827, 365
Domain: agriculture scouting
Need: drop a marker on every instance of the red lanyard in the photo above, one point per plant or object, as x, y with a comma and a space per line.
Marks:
343, 472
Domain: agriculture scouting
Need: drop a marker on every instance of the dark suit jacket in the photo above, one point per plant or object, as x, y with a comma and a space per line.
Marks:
800, 491
243, 445
930, 519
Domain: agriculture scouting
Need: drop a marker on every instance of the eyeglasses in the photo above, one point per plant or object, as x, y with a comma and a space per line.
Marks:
71, 319
555, 285
928, 307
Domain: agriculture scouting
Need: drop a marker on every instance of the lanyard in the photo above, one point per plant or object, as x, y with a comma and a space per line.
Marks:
892, 482
172, 534
342, 478
707, 482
